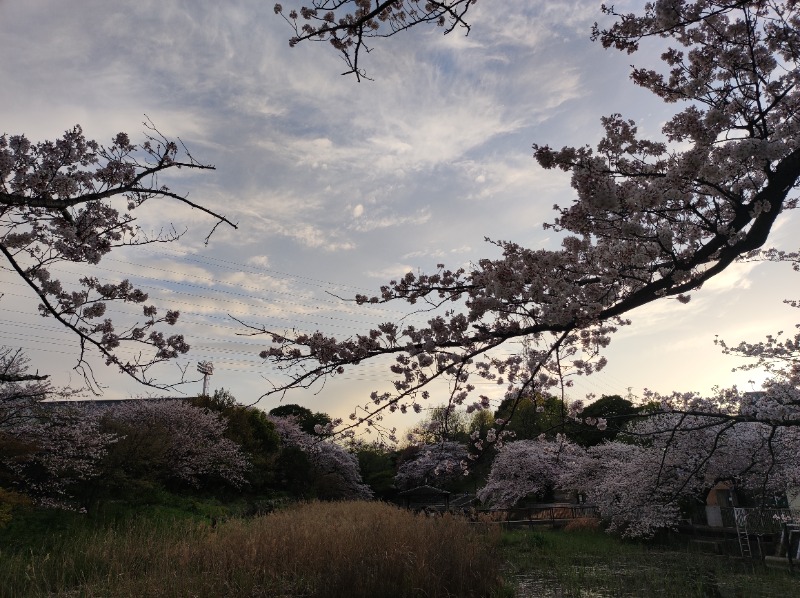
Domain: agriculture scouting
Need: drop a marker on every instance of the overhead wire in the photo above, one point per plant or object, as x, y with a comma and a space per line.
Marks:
291, 317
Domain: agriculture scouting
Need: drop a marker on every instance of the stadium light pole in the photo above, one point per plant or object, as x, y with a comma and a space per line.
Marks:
206, 368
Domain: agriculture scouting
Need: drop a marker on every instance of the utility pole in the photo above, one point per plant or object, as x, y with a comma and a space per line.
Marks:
206, 368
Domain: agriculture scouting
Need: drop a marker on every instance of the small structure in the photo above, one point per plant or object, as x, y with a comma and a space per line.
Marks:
720, 501
793, 499
733, 523
426, 498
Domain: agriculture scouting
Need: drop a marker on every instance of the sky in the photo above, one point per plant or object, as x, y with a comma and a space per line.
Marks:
340, 186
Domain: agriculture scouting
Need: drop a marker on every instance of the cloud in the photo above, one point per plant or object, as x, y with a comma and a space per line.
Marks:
259, 260
392, 272
365, 223
736, 277
438, 252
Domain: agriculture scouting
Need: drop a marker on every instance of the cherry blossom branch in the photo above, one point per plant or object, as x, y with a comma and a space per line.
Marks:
57, 205
663, 18
136, 370
23, 378
347, 24
13, 372
652, 219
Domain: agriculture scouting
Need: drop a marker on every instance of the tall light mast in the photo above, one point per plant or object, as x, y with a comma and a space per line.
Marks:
206, 368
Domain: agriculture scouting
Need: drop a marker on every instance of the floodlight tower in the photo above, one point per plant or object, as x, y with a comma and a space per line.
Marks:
206, 368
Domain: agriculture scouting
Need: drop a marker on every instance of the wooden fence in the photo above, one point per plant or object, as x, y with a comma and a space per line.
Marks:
542, 514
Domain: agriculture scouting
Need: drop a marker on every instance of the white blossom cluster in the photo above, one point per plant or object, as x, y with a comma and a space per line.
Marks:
668, 459
528, 468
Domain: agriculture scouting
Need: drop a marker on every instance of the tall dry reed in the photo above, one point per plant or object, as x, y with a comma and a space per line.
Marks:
324, 550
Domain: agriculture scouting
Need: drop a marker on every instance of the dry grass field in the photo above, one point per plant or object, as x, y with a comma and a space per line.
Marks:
326, 550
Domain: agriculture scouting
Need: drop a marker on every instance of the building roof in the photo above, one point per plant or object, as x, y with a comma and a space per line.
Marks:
425, 491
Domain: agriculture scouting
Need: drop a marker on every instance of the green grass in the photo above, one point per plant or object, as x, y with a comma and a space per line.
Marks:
583, 564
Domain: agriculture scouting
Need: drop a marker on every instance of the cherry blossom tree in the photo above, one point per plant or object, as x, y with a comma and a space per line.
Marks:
49, 451
529, 468
34, 448
57, 446
672, 459
623, 482
434, 464
637, 486
188, 442
685, 443
337, 472
653, 219
73, 200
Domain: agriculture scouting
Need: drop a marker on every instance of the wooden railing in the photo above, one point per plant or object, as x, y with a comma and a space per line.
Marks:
758, 520
543, 513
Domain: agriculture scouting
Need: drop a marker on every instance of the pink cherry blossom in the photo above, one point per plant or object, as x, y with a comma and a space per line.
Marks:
197, 448
59, 444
